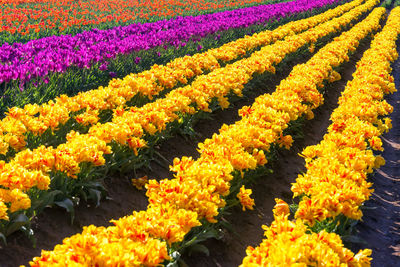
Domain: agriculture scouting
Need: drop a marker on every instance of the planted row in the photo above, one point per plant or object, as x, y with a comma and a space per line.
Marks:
31, 19
201, 188
38, 58
44, 121
115, 144
75, 79
335, 186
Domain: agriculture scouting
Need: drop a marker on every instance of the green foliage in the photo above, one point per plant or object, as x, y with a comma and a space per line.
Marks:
386, 3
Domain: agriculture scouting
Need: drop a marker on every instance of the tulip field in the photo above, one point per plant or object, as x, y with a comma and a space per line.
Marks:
199, 133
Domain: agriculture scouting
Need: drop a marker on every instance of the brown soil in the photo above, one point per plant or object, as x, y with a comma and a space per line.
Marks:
54, 224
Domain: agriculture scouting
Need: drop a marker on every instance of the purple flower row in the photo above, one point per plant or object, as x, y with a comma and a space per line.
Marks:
38, 58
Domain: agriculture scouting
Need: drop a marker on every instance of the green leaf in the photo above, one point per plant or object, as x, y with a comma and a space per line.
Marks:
354, 239
17, 223
293, 208
95, 195
98, 184
206, 234
30, 234
68, 205
229, 227
3, 237
368, 208
173, 264
83, 194
199, 248
353, 223
175, 256
46, 200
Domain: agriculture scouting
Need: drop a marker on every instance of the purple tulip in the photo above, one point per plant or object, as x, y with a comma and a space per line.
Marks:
38, 58
103, 67
21, 86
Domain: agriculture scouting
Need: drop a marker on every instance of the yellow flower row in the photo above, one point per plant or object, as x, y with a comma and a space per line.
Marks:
337, 168
37, 119
289, 243
240, 146
128, 127
199, 186
335, 181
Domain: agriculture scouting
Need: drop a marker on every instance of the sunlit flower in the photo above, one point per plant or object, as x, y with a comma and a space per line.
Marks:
244, 197
139, 183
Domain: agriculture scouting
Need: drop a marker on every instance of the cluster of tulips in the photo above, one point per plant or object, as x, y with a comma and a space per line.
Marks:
49, 17
335, 183
36, 71
32, 168
200, 187
85, 107
38, 60
290, 242
339, 165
